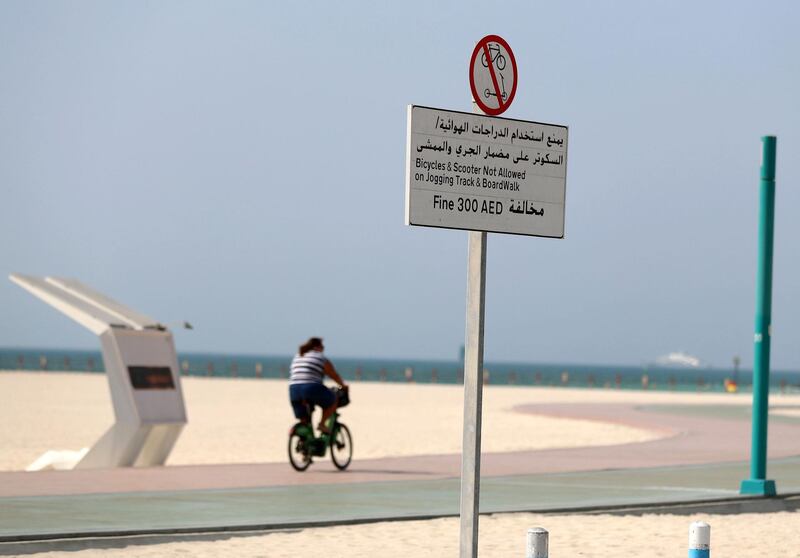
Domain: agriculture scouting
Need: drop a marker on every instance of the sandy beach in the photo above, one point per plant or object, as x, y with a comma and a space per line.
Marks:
245, 421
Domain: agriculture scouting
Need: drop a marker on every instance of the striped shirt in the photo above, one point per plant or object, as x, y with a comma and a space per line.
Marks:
307, 369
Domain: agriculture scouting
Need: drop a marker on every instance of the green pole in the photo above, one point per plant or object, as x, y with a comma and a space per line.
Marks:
758, 483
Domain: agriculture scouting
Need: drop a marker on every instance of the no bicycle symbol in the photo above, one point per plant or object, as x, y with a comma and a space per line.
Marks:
493, 75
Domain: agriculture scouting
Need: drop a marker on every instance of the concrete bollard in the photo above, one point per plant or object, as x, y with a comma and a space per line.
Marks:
699, 540
537, 543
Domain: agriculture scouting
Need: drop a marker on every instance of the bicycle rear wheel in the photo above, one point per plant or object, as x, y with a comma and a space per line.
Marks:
299, 452
342, 447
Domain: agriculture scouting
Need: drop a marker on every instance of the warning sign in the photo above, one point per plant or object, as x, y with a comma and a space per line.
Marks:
493, 75
484, 173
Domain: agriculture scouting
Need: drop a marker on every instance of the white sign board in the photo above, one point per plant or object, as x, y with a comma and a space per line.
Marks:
481, 173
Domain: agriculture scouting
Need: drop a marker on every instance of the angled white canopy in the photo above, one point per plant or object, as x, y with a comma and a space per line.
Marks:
91, 309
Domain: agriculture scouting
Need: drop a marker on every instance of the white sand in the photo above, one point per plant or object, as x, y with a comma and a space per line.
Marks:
792, 413
773, 535
247, 420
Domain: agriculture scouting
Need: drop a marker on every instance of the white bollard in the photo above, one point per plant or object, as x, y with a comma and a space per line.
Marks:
699, 540
537, 543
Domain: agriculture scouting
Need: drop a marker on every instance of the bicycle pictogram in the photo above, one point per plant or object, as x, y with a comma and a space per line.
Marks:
497, 57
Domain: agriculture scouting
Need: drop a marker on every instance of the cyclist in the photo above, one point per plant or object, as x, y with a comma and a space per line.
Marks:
309, 366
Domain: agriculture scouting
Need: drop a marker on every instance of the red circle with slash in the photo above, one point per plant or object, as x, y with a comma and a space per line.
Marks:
489, 75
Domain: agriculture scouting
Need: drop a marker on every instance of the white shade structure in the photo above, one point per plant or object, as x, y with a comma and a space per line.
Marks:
142, 370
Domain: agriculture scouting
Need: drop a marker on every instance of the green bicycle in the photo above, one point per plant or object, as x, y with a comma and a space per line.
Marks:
304, 445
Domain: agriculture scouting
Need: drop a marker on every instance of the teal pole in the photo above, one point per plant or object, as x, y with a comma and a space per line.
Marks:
758, 483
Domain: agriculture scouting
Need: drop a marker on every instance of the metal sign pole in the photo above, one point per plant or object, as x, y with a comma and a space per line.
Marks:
473, 393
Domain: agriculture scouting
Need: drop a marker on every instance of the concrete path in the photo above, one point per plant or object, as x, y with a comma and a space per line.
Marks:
284, 507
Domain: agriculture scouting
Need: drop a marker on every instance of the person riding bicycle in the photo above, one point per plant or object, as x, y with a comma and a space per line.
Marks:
306, 387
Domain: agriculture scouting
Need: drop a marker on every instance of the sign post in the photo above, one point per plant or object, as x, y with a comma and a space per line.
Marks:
480, 173
473, 394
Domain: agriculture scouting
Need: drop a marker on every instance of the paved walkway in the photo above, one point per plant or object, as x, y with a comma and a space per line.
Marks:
703, 457
274, 507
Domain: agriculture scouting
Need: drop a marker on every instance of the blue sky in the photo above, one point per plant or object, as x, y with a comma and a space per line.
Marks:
241, 165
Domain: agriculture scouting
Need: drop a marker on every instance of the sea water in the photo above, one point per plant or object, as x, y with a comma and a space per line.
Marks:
422, 371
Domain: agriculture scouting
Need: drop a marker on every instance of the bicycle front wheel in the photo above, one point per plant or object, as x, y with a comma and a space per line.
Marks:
299, 452
342, 447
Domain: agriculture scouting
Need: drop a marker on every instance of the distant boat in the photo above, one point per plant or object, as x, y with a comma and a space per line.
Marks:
678, 359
